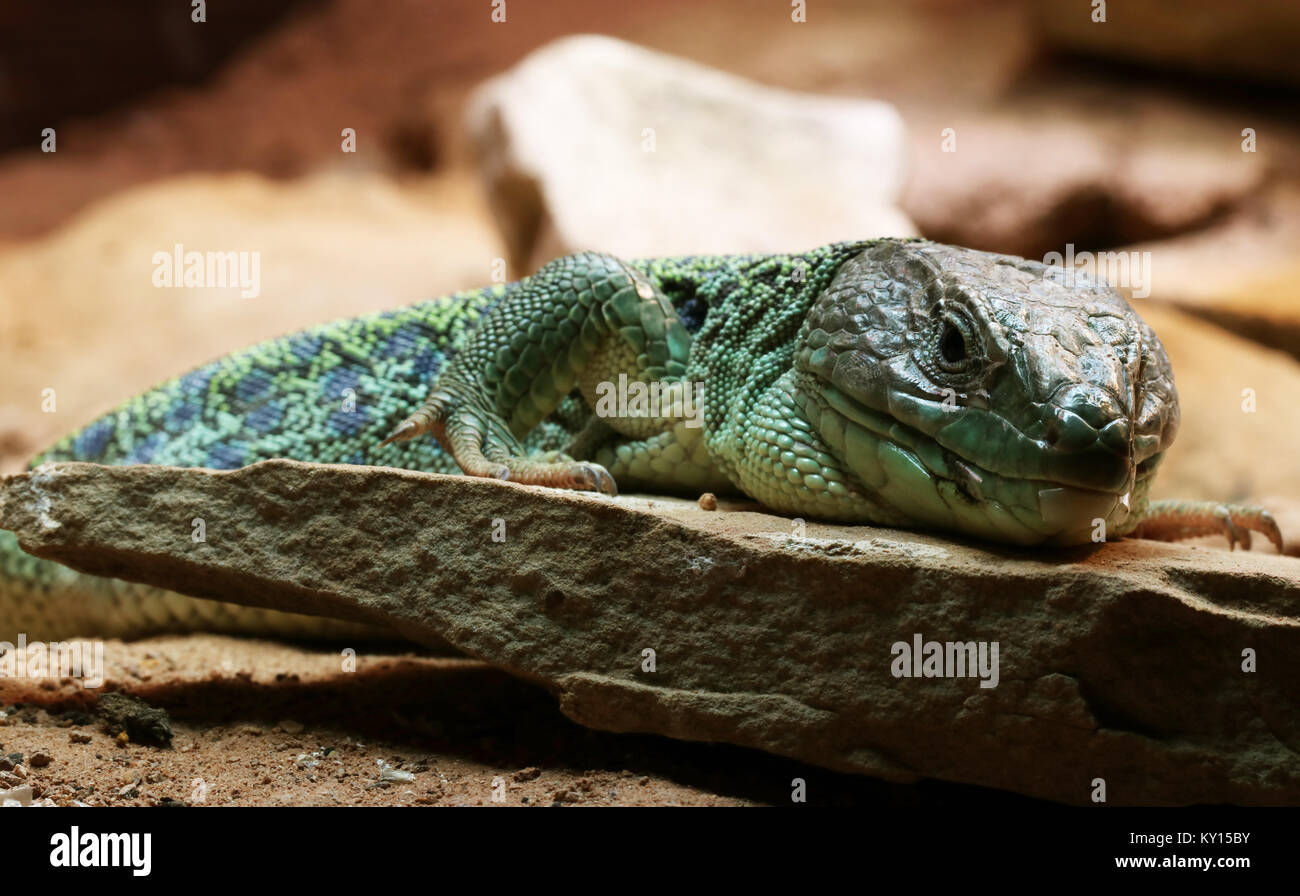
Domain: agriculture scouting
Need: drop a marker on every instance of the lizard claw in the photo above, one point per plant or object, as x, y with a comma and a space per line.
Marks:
429, 418
408, 430
595, 478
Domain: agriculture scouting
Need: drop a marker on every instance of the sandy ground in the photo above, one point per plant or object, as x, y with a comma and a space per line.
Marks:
264, 723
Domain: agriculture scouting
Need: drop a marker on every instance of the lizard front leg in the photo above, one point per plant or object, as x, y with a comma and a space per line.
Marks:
1176, 520
580, 320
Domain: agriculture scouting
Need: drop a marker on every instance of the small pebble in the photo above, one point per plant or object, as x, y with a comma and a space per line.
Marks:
40, 759
708, 501
130, 719
18, 796
388, 773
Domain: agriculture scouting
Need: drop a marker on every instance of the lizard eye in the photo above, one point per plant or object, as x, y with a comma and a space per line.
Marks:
952, 352
957, 345
952, 345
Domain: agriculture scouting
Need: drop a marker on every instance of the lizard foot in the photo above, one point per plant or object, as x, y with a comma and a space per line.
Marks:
1177, 520
483, 446
582, 476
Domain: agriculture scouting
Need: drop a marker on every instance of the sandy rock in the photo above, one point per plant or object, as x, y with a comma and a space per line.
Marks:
1027, 180
593, 143
1254, 38
1239, 425
1121, 662
1242, 274
1008, 186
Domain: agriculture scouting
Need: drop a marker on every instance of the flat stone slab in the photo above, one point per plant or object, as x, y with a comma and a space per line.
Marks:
1124, 664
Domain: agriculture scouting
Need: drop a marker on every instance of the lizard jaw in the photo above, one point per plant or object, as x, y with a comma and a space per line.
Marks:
930, 486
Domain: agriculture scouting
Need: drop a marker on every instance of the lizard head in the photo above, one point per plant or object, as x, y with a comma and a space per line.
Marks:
986, 394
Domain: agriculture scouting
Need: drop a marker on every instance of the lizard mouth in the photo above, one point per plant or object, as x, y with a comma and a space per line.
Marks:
930, 485
1040, 504
983, 502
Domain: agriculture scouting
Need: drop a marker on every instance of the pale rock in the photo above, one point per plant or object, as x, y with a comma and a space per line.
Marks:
591, 143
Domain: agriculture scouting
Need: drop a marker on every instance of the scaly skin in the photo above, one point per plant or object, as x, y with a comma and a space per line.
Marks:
897, 382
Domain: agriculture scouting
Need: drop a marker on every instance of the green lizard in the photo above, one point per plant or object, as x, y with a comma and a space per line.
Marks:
895, 382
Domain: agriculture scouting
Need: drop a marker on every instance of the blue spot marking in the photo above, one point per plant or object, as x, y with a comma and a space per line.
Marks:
305, 345
428, 363
401, 343
181, 415
196, 381
254, 386
91, 442
348, 423
266, 418
226, 456
692, 313
339, 380
144, 452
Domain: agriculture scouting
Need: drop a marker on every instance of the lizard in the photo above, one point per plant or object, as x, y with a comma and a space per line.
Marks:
890, 382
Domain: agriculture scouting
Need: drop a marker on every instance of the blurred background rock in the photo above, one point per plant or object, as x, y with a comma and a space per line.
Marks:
765, 133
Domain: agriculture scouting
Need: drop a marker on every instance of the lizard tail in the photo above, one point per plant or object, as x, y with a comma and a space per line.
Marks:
46, 601
324, 394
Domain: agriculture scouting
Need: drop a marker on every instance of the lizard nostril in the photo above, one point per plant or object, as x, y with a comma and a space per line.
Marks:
1064, 430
